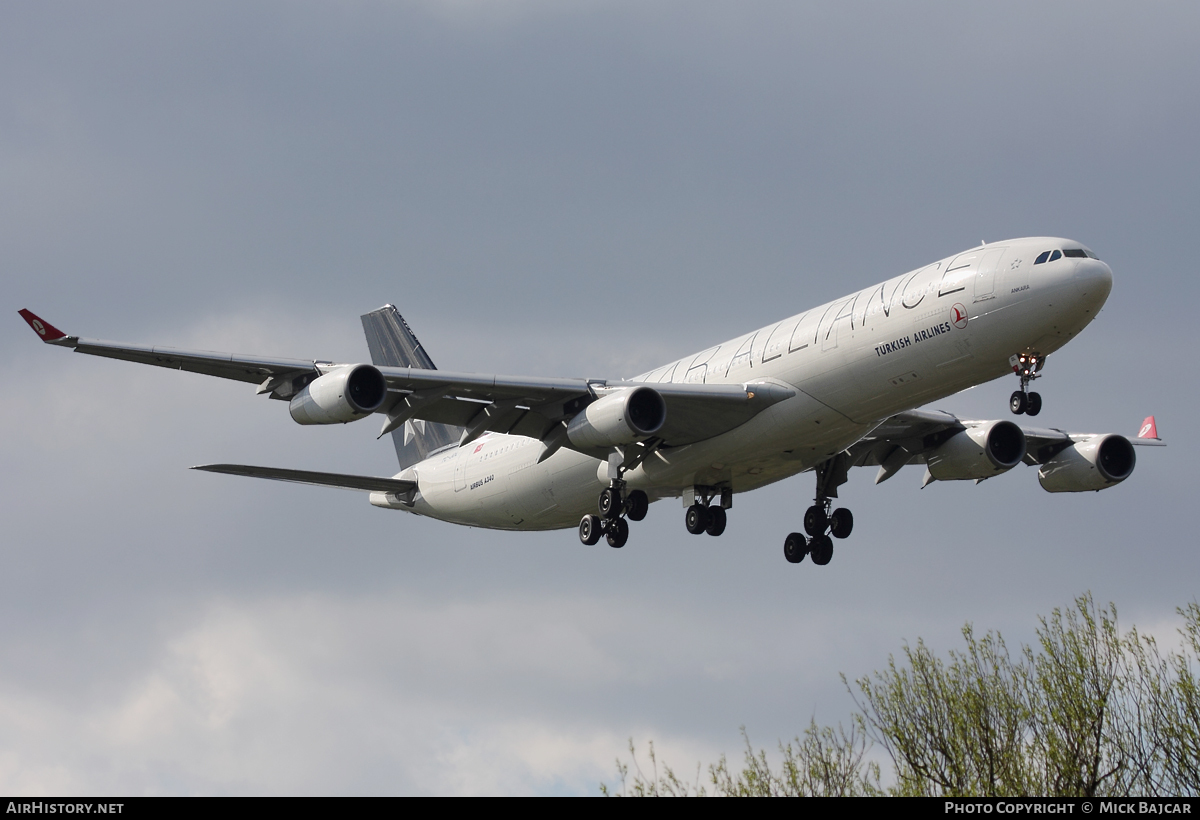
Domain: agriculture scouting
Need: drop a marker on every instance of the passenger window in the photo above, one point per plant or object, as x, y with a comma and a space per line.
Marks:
1055, 255
1074, 253
1042, 257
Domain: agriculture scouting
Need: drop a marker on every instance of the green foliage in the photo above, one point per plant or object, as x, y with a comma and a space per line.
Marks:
827, 762
1088, 711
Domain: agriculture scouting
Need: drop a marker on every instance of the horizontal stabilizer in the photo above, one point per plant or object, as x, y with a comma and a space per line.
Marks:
345, 482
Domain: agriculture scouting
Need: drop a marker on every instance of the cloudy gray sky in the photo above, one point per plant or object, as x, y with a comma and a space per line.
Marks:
577, 189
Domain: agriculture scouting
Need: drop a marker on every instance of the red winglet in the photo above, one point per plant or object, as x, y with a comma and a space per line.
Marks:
1148, 429
41, 327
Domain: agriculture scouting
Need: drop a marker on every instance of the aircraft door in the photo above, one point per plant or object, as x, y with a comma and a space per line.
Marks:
985, 275
460, 472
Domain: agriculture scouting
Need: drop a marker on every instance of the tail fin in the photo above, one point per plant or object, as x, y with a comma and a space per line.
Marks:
1148, 429
393, 344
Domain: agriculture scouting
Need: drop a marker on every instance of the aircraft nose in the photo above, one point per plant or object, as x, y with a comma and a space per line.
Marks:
1093, 282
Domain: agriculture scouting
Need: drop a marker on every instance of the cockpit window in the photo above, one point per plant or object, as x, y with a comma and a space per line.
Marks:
1070, 253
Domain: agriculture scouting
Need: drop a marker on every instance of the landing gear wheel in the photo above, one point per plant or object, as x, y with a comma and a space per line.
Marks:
590, 530
637, 505
697, 519
795, 547
717, 521
1034, 405
841, 523
821, 550
1017, 402
610, 503
617, 533
815, 521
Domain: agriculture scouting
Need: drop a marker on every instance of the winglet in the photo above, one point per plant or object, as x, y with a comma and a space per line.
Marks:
41, 327
1149, 429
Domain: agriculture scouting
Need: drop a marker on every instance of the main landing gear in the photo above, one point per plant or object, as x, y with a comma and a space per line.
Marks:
1027, 366
705, 517
819, 522
613, 504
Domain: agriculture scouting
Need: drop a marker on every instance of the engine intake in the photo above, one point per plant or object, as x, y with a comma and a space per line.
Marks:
618, 418
346, 394
978, 452
1099, 462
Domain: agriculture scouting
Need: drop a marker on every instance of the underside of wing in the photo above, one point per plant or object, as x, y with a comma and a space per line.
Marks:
254, 369
956, 449
404, 386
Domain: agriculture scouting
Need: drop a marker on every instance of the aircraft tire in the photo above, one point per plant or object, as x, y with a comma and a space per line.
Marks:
841, 523
696, 519
609, 504
617, 533
815, 521
795, 547
638, 504
821, 550
590, 530
1016, 402
717, 521
1034, 405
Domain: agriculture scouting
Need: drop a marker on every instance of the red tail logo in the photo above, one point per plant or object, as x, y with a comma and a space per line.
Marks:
1149, 428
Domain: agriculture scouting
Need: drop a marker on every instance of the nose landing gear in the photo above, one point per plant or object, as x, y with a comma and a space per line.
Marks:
1027, 366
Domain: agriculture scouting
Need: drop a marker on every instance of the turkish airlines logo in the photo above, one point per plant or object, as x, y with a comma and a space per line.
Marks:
477, 449
1145, 431
39, 327
958, 315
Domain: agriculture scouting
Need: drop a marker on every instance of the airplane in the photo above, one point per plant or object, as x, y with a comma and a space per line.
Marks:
828, 389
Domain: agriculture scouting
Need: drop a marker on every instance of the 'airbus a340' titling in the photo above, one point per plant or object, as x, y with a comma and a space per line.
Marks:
825, 390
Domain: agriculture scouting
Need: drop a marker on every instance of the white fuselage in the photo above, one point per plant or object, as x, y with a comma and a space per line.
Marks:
852, 363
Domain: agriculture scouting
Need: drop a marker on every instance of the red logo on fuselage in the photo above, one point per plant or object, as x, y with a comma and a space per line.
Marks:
958, 315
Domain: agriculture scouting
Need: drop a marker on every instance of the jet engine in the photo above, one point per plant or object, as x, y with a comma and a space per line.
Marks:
618, 418
346, 394
978, 452
1089, 465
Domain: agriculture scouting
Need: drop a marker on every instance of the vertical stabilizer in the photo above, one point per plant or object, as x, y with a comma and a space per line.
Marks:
393, 344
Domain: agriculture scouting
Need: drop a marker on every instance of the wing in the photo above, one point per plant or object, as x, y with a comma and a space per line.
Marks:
918, 436
532, 406
253, 369
907, 438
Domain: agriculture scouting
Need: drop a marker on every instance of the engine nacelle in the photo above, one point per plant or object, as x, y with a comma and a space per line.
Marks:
978, 452
1089, 465
618, 418
346, 394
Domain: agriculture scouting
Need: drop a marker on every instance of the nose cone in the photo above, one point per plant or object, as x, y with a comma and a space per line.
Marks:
1093, 282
